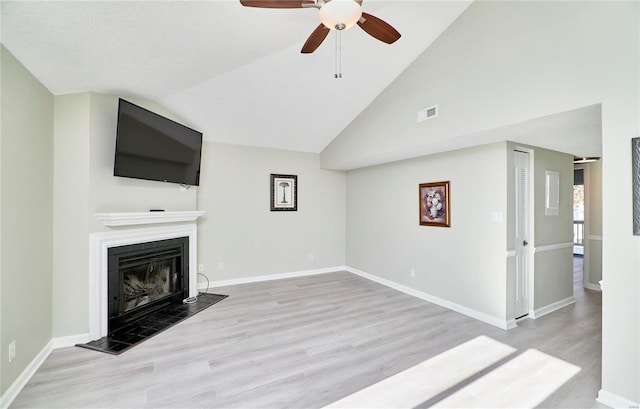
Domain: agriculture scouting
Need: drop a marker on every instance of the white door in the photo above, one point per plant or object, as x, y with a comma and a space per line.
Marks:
521, 172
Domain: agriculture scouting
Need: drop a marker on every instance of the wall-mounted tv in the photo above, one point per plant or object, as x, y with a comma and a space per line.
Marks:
152, 147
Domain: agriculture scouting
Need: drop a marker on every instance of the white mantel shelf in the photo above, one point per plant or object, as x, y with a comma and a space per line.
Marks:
134, 218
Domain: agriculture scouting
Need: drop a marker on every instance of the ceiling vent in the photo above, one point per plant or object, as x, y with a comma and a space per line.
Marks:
427, 113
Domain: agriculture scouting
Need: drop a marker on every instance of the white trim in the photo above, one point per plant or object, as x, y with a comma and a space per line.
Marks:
71, 340
14, 389
535, 314
511, 324
597, 238
489, 319
134, 218
552, 247
269, 277
614, 401
99, 244
593, 287
511, 253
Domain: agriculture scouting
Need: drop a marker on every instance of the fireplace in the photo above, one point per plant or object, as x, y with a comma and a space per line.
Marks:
156, 264
123, 229
145, 277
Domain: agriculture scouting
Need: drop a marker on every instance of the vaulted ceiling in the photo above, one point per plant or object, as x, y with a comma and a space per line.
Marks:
236, 73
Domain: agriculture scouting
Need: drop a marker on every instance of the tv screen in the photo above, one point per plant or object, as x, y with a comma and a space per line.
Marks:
152, 147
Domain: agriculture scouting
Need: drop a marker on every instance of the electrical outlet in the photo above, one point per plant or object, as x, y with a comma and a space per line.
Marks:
12, 351
311, 257
220, 266
412, 272
201, 267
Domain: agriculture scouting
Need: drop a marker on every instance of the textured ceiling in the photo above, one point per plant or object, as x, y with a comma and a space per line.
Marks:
235, 73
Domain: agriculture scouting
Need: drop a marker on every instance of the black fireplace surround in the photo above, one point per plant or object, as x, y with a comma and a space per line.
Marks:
144, 278
148, 290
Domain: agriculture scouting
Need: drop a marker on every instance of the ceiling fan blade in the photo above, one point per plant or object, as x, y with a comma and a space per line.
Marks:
315, 39
378, 28
274, 4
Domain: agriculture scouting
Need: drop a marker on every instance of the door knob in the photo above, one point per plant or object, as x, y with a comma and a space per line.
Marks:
524, 242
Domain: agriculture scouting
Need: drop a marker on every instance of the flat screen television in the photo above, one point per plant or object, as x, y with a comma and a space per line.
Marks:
152, 147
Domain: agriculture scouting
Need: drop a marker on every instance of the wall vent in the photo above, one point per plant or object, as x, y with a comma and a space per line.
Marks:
427, 113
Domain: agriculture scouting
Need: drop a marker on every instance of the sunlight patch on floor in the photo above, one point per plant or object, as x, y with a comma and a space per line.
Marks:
523, 382
428, 379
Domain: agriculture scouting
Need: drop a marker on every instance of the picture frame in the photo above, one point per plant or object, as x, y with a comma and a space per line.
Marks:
284, 193
635, 177
434, 204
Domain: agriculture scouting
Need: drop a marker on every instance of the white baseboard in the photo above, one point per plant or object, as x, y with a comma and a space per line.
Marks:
496, 322
547, 309
7, 398
71, 340
594, 287
256, 279
614, 401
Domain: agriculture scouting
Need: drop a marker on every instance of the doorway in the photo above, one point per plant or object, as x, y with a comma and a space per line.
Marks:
578, 228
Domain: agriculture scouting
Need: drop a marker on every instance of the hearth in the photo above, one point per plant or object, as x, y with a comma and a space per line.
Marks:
146, 277
145, 284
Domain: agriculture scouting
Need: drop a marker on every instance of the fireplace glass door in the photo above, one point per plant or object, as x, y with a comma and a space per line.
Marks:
145, 281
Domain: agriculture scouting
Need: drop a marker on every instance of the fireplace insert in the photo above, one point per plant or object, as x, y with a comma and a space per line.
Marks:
144, 278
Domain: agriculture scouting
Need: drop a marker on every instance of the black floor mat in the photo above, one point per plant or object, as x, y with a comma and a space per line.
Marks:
152, 324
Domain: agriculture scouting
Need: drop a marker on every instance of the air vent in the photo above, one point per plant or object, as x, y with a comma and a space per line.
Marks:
427, 113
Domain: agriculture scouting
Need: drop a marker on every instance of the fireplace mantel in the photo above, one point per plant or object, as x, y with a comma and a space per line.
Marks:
137, 218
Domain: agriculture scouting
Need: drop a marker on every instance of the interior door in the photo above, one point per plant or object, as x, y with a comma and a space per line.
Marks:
522, 176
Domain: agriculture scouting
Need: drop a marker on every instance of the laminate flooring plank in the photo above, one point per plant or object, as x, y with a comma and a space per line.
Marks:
304, 343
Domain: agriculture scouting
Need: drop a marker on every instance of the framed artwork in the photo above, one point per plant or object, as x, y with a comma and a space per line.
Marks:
434, 207
284, 193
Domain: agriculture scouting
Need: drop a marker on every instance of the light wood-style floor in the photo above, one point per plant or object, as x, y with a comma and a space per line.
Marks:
305, 343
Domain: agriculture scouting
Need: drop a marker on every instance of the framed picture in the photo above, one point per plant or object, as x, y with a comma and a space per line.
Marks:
434, 207
284, 193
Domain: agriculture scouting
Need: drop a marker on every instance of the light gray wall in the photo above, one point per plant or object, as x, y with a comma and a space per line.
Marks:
502, 63
240, 231
26, 165
84, 144
71, 215
463, 264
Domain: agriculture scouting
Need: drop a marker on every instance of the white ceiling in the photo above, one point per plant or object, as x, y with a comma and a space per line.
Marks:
236, 73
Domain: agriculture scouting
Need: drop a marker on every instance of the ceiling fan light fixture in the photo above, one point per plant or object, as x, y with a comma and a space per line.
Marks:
340, 14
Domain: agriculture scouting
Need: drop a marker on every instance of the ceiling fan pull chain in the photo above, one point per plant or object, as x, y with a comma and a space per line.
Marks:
338, 73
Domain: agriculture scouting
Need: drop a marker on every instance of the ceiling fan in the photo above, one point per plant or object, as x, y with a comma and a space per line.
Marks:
334, 15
